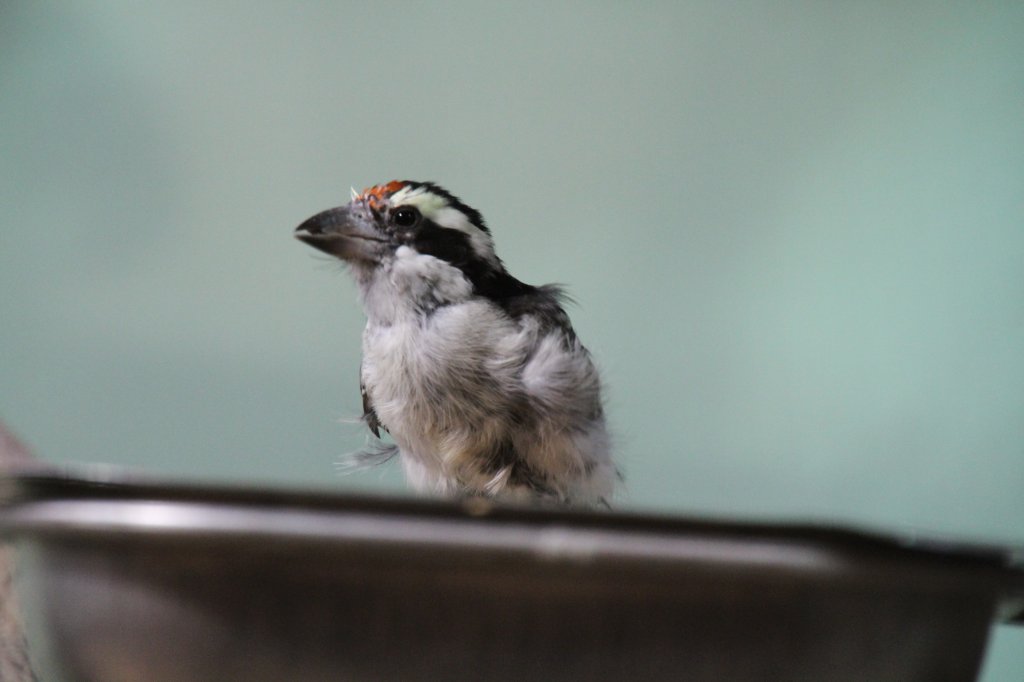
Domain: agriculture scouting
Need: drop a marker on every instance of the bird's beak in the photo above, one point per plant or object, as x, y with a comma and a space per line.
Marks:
343, 234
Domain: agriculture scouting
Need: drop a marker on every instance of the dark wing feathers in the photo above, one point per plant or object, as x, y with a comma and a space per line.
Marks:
545, 303
369, 414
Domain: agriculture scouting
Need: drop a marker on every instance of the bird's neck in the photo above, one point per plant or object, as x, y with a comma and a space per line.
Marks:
410, 286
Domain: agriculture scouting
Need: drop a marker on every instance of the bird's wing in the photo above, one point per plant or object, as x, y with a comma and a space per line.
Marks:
545, 305
369, 414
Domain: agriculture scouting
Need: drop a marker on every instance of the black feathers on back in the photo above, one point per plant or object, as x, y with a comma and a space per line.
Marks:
544, 302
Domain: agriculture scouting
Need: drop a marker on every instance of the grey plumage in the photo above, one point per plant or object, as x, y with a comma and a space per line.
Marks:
478, 377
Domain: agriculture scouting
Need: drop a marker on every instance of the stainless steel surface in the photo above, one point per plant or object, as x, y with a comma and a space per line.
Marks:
157, 582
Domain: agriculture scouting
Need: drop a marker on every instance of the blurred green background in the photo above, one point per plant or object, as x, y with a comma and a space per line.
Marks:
795, 231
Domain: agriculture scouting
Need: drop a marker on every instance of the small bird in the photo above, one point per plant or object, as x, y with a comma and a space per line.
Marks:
479, 378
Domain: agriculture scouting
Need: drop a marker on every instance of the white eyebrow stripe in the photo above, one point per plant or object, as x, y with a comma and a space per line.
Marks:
418, 197
436, 209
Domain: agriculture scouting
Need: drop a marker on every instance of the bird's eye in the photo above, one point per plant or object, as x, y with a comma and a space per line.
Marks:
405, 216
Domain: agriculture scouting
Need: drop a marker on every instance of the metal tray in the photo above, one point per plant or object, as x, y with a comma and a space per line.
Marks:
152, 581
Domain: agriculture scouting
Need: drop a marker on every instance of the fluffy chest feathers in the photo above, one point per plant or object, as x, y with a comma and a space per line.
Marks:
479, 399
453, 368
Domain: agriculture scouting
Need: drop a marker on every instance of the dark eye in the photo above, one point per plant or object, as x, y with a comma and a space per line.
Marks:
405, 216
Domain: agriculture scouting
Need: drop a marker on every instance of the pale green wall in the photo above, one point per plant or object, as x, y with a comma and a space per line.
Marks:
795, 230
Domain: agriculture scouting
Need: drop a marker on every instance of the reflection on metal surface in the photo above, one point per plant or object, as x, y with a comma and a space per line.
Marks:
555, 542
161, 583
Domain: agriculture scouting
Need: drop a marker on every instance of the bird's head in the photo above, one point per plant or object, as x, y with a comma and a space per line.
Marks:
421, 216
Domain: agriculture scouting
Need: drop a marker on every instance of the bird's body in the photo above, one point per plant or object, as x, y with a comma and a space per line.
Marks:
478, 377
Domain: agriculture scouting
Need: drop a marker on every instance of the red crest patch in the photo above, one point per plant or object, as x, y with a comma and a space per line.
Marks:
378, 193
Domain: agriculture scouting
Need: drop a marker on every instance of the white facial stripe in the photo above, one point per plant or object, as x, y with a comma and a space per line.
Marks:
454, 219
437, 210
419, 197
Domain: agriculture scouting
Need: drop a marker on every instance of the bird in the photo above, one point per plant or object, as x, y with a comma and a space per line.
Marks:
479, 378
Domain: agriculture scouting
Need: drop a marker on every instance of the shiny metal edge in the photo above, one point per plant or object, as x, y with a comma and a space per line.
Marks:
157, 518
43, 504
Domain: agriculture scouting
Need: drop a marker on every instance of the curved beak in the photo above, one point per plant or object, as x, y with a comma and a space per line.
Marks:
340, 233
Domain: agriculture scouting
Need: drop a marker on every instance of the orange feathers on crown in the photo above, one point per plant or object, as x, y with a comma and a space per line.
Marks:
378, 193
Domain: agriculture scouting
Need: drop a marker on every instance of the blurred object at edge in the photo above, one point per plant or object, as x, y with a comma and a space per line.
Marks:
14, 661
